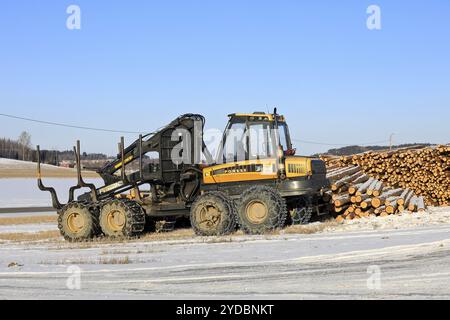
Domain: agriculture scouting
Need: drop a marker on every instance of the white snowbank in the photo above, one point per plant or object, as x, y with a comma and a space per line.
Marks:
25, 193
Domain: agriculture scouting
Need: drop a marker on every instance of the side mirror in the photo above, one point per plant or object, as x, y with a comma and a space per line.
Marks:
290, 152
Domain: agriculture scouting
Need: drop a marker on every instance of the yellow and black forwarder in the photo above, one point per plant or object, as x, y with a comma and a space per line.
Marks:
255, 183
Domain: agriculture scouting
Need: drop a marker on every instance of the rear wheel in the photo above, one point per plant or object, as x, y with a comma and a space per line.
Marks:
213, 214
122, 218
303, 211
78, 222
261, 210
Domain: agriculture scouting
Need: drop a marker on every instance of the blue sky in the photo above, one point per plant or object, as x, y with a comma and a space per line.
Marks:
136, 65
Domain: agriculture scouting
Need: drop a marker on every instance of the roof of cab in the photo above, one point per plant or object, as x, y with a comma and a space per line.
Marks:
268, 116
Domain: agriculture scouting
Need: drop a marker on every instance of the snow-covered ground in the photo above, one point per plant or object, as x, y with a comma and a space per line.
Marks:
18, 164
27, 214
433, 216
25, 169
25, 193
29, 228
412, 263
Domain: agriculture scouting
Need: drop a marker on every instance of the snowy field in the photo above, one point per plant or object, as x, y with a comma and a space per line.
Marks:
28, 228
410, 255
412, 263
10, 164
25, 169
25, 193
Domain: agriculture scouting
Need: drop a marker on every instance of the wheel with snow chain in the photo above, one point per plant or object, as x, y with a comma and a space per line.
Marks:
301, 216
213, 214
78, 222
261, 210
303, 212
122, 218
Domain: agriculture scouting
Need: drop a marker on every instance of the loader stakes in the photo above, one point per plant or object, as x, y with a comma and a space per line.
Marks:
256, 182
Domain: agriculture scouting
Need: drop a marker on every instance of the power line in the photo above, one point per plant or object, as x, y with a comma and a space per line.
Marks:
339, 144
137, 132
67, 125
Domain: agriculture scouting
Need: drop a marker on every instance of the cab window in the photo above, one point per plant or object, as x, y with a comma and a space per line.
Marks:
261, 143
283, 139
234, 144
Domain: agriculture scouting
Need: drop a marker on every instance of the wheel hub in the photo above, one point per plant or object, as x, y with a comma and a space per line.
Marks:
210, 216
256, 211
75, 222
116, 220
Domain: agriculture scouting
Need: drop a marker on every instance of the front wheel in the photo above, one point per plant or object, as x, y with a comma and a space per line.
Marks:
261, 210
213, 214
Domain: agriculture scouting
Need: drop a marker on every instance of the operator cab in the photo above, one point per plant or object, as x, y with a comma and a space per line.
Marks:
254, 137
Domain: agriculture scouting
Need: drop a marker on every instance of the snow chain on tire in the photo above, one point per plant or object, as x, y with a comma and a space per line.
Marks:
132, 214
224, 221
274, 204
78, 222
301, 216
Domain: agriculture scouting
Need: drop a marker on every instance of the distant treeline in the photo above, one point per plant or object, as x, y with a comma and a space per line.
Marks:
13, 149
21, 149
350, 150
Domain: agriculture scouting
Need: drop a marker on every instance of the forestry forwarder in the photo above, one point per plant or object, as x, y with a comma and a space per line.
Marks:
256, 183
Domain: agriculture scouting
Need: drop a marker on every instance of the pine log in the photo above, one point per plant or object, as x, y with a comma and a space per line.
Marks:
345, 172
377, 189
352, 189
378, 201
366, 204
372, 187
421, 204
413, 204
379, 210
363, 188
339, 202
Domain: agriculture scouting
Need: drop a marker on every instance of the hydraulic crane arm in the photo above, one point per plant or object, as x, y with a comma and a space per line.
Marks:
160, 141
153, 142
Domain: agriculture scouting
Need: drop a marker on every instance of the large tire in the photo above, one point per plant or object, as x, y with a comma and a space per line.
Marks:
261, 210
122, 218
213, 214
78, 222
303, 212
301, 216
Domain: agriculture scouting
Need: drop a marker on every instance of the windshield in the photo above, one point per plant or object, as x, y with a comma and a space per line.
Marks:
252, 140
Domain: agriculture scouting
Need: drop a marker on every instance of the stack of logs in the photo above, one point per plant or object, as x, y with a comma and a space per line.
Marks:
355, 194
424, 171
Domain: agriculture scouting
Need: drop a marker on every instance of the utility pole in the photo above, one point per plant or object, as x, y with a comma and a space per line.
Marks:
391, 141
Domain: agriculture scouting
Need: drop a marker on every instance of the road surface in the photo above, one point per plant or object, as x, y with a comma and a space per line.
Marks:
387, 264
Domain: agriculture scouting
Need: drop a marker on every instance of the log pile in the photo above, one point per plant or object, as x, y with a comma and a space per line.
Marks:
354, 194
424, 171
